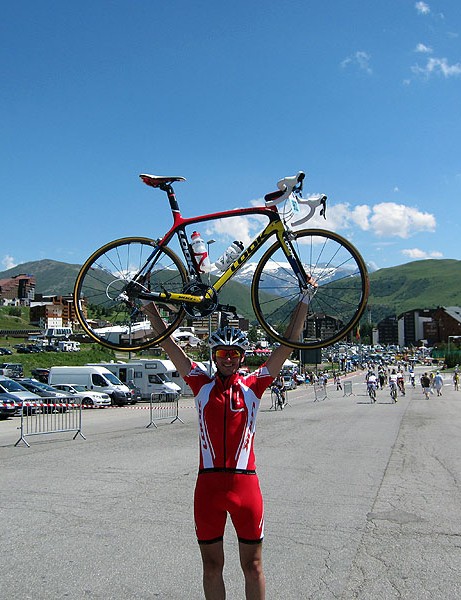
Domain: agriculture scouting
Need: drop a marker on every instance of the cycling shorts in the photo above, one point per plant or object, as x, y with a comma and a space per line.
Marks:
220, 492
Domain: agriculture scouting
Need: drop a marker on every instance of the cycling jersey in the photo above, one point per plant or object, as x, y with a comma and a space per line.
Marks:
227, 412
227, 480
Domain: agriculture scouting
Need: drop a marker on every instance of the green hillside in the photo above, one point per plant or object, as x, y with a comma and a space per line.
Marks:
418, 284
52, 277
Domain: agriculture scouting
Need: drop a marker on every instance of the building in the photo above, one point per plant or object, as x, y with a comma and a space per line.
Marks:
203, 326
53, 311
447, 323
412, 326
16, 290
431, 325
388, 331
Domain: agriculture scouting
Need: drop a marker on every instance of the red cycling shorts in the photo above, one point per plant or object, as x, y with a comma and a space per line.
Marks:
219, 493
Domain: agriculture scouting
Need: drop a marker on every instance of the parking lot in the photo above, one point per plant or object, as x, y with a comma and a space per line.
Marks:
362, 501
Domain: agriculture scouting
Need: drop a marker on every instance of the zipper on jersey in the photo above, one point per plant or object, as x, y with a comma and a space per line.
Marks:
227, 400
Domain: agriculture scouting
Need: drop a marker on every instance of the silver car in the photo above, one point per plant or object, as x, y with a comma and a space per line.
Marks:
87, 397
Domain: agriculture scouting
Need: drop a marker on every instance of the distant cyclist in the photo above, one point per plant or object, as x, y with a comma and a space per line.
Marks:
393, 384
401, 382
279, 388
372, 382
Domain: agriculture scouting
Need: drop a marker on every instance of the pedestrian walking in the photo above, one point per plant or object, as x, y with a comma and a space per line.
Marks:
438, 383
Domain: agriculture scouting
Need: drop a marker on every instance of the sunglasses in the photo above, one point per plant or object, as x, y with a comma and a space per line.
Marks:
228, 354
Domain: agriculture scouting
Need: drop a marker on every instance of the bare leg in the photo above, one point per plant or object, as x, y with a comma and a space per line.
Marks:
213, 565
252, 565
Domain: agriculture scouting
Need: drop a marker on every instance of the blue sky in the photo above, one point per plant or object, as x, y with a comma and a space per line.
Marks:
363, 96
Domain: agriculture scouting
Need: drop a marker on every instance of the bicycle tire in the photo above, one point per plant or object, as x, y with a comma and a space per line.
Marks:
104, 277
338, 301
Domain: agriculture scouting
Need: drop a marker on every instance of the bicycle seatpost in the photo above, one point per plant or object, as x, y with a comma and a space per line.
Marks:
168, 188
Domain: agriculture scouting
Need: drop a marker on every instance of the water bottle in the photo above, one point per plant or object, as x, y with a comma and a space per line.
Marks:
200, 253
231, 254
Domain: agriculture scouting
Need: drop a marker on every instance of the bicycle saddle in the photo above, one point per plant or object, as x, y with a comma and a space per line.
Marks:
158, 180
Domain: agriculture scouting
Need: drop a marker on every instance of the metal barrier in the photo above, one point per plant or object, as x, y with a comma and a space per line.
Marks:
38, 418
348, 389
320, 391
165, 406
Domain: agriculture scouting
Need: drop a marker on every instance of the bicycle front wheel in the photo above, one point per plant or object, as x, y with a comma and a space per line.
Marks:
338, 295
103, 309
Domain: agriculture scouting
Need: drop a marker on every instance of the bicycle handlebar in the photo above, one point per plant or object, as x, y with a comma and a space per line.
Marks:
294, 185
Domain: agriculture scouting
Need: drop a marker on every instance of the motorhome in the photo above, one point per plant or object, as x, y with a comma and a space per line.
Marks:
93, 377
68, 346
151, 376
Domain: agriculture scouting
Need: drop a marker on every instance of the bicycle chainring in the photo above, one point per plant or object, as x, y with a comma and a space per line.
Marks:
207, 307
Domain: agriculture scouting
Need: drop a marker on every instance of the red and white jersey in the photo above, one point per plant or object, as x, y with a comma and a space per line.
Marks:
227, 410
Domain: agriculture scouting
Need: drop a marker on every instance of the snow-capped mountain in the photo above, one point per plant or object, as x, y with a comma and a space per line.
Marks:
277, 275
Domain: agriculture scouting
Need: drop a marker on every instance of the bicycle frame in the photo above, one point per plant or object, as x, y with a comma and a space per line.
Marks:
274, 227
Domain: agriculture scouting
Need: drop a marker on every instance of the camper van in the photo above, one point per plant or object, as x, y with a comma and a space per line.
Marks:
150, 376
95, 378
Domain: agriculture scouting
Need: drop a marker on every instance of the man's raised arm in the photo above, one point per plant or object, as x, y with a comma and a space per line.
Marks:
175, 353
281, 353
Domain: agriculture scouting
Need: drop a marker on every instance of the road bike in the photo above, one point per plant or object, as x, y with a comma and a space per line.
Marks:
115, 280
277, 397
371, 388
393, 391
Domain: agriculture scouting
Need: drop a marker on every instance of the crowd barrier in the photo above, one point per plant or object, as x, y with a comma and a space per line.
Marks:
39, 418
163, 406
320, 391
347, 385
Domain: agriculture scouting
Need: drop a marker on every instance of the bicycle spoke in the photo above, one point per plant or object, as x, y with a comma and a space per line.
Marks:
337, 296
104, 308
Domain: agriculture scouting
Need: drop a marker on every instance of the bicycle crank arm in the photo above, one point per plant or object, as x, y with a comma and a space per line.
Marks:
171, 297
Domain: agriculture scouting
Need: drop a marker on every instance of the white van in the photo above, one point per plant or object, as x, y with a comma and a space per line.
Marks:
95, 378
150, 376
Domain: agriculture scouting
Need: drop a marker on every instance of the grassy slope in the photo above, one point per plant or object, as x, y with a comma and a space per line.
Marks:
418, 284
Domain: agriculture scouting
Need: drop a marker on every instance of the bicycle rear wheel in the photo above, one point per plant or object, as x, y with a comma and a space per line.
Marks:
105, 311
338, 297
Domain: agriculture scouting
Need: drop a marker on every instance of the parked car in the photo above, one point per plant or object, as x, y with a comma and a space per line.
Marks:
27, 401
53, 400
87, 397
8, 405
12, 369
289, 382
5, 351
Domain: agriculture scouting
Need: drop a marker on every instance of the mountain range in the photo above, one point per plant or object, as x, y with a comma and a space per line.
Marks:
414, 285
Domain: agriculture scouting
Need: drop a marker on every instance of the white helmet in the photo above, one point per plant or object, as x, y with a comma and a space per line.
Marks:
228, 336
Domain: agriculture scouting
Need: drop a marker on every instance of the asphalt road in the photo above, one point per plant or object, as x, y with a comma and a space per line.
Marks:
362, 501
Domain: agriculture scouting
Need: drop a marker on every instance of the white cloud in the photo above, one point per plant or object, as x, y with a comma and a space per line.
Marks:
385, 219
243, 228
423, 49
8, 262
398, 220
416, 253
360, 59
436, 66
422, 8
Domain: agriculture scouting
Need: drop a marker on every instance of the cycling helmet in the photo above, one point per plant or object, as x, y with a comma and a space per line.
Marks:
228, 336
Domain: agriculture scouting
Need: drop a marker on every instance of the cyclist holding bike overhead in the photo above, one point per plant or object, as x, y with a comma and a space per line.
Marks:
227, 406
